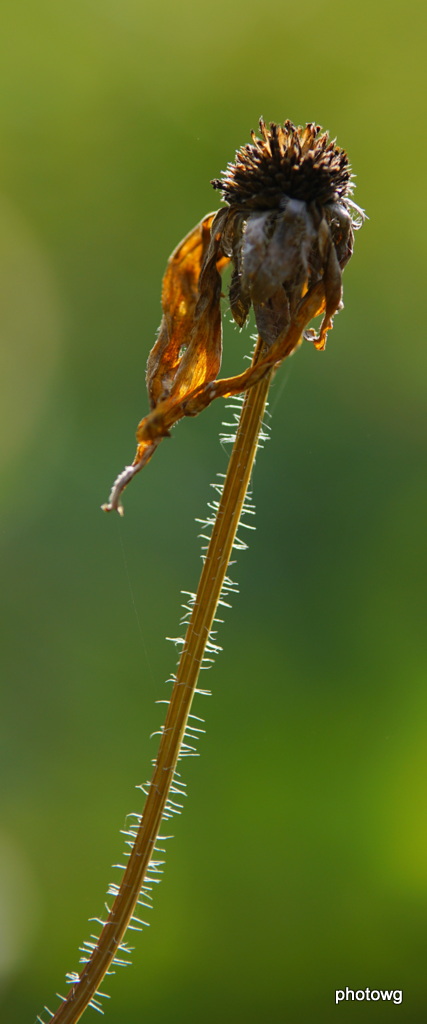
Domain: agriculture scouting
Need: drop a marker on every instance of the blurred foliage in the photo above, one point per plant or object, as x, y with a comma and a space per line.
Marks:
299, 866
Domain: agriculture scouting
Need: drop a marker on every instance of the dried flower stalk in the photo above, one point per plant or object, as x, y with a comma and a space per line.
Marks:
287, 228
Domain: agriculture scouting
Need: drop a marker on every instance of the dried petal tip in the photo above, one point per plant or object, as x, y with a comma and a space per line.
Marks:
297, 163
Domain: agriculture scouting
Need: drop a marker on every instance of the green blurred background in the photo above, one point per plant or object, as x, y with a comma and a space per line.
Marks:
299, 865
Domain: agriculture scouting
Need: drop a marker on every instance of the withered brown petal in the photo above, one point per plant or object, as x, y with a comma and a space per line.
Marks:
272, 317
191, 330
240, 302
187, 353
167, 366
333, 293
257, 280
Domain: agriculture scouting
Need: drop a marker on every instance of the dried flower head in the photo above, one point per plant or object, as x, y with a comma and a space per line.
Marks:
298, 163
287, 229
288, 224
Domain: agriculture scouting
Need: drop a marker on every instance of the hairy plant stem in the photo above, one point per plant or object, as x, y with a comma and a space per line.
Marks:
206, 601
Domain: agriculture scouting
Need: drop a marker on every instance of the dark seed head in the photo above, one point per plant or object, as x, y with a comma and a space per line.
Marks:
286, 162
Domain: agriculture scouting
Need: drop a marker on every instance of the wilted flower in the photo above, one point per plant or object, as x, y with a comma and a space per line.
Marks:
287, 229
287, 225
